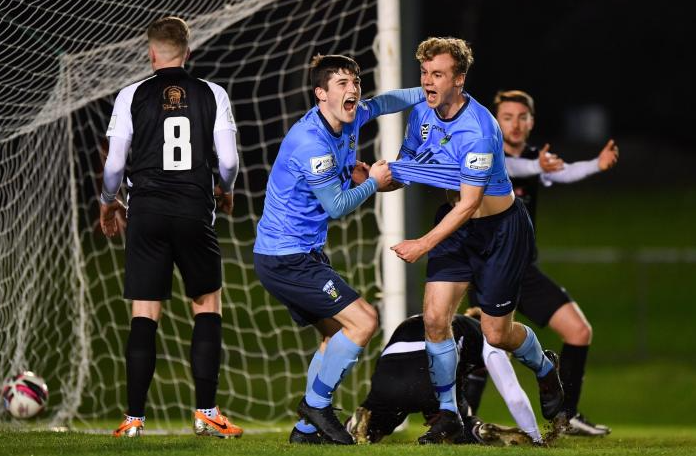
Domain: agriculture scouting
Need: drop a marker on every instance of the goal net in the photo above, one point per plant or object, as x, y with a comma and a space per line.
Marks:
61, 306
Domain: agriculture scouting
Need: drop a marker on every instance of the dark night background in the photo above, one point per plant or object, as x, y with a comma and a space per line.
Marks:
621, 63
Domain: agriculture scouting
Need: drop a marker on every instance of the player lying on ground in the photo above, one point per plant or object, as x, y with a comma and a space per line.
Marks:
401, 385
309, 183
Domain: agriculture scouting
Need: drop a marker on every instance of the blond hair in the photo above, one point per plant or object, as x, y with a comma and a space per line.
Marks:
172, 31
457, 48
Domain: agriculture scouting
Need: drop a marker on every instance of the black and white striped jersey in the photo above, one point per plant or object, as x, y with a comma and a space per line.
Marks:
170, 119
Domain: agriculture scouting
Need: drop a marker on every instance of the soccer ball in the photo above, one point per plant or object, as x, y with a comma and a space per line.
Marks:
25, 395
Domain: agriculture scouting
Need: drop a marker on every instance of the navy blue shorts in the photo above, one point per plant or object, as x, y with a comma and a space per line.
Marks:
306, 284
540, 297
492, 253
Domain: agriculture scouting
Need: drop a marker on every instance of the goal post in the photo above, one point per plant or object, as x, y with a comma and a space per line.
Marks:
391, 204
61, 305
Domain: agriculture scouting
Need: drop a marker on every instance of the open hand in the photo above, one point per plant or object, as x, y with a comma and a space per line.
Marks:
549, 162
608, 156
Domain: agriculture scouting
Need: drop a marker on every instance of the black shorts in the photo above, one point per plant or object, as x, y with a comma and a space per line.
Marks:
492, 253
154, 243
540, 296
306, 284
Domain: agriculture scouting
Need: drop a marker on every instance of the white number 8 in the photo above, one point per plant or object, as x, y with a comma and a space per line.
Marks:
171, 142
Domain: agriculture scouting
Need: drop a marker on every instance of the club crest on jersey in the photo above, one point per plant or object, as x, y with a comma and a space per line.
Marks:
425, 129
478, 161
331, 290
351, 141
323, 164
174, 98
445, 140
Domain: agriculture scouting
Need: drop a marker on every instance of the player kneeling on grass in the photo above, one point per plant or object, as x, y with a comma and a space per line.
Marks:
309, 183
401, 385
170, 215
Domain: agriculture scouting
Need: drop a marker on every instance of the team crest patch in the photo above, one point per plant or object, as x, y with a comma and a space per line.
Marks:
174, 98
425, 129
323, 164
351, 142
230, 118
478, 161
445, 140
112, 123
331, 290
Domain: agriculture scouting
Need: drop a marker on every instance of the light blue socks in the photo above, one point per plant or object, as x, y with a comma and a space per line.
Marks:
443, 372
312, 371
340, 356
531, 355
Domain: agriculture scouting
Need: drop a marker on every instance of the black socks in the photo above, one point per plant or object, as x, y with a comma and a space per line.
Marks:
141, 355
572, 371
206, 348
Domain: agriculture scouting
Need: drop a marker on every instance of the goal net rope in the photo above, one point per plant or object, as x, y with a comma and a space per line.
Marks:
61, 282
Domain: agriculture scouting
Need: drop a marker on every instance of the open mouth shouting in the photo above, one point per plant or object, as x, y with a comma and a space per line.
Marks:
350, 103
430, 96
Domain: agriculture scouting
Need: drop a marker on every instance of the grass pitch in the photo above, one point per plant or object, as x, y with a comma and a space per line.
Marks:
625, 440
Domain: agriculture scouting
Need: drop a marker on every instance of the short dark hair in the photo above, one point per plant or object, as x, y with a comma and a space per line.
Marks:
323, 66
170, 30
517, 96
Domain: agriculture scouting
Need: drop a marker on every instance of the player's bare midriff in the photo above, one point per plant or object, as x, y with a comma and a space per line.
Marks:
490, 205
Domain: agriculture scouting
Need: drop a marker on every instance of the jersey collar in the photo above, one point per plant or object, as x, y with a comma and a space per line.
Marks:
327, 126
466, 104
170, 70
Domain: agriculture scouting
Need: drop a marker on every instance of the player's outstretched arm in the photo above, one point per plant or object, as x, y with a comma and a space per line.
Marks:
608, 156
470, 200
576, 171
547, 162
394, 101
337, 202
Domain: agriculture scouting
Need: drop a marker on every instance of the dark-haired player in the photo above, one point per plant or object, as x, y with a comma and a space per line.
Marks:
310, 182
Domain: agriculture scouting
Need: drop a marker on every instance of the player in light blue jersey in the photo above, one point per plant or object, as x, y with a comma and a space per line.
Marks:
486, 238
309, 183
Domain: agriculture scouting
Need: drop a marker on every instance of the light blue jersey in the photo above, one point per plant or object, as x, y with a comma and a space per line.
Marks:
466, 149
311, 155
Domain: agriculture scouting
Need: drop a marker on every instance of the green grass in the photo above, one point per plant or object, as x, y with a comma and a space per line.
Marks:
625, 440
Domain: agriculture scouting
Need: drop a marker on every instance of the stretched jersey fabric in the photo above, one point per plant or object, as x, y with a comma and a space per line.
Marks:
312, 156
170, 120
466, 149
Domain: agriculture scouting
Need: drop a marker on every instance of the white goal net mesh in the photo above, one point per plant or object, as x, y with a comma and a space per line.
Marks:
61, 310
